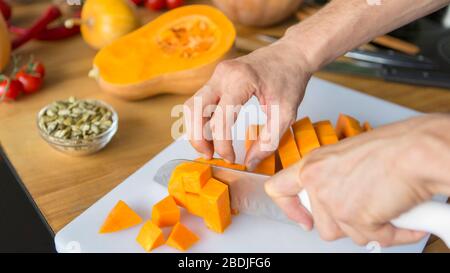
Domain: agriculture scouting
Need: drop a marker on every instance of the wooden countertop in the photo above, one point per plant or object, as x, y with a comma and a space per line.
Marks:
64, 186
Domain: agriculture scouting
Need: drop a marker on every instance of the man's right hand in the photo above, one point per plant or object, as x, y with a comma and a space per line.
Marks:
276, 75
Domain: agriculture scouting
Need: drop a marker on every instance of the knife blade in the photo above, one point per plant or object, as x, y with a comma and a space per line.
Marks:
249, 197
246, 190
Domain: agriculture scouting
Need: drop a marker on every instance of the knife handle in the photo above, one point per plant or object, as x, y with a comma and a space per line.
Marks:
418, 77
431, 216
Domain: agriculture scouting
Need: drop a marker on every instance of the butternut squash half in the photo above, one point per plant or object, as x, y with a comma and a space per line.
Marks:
175, 53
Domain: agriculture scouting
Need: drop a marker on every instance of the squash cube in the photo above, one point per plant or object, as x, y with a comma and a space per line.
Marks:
150, 236
288, 150
181, 237
305, 136
367, 127
215, 199
221, 163
193, 204
325, 133
194, 175
176, 189
121, 217
166, 213
347, 126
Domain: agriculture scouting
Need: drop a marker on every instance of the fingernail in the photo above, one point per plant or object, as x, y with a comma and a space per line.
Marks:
304, 227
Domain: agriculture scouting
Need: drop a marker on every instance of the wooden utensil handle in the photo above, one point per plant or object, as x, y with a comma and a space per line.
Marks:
397, 44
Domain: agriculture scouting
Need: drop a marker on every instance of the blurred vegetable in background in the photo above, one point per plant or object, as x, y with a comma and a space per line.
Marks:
103, 21
258, 12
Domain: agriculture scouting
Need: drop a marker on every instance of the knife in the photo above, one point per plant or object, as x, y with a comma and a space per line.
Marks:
392, 74
379, 56
249, 197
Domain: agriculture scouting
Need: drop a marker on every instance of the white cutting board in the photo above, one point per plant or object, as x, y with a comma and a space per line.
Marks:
323, 100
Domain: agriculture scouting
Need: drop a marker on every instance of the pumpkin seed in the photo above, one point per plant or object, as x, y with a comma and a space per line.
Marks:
76, 119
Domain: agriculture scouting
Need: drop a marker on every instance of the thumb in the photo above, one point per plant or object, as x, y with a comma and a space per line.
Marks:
284, 188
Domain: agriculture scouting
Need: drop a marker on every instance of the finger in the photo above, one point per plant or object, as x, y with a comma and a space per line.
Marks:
222, 122
195, 120
283, 188
278, 121
323, 222
294, 210
388, 235
357, 237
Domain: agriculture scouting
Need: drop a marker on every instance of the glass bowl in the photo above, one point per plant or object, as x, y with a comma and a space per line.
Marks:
81, 147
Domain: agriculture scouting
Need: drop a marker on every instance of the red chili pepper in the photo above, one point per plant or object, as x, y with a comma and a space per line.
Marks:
49, 34
5, 10
52, 13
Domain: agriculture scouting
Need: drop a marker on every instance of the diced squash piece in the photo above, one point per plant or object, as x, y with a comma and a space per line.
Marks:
193, 204
176, 189
325, 133
150, 236
215, 200
166, 213
267, 166
347, 126
221, 163
367, 127
121, 217
194, 175
181, 237
234, 211
305, 136
288, 150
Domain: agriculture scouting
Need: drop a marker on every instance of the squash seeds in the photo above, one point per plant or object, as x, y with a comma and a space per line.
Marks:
74, 119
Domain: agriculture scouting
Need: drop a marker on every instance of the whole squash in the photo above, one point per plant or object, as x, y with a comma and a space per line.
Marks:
175, 53
5, 44
258, 12
103, 21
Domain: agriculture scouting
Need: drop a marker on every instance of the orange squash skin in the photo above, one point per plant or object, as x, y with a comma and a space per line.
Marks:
107, 20
158, 68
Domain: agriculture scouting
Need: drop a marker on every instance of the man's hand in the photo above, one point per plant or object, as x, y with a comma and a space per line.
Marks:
359, 185
276, 75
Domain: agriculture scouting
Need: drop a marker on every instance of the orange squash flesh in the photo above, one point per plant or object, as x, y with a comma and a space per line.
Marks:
181, 237
193, 204
150, 236
176, 189
194, 176
121, 217
347, 126
215, 201
175, 53
367, 127
288, 150
305, 136
325, 133
221, 163
166, 213
267, 166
